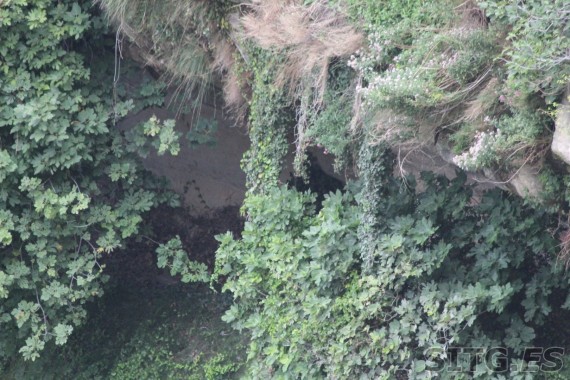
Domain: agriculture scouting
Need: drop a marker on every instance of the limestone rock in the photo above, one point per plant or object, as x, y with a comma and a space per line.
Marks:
561, 138
526, 183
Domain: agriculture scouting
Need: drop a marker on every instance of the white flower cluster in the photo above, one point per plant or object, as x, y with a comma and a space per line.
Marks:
461, 33
404, 78
442, 61
393, 82
364, 61
447, 61
483, 147
396, 82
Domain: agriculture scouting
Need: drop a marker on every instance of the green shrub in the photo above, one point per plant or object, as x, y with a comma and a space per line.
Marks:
437, 72
144, 331
151, 360
268, 121
373, 13
538, 42
72, 188
329, 128
443, 67
219, 367
357, 291
513, 136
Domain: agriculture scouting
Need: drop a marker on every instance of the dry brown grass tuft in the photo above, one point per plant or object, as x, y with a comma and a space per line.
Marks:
235, 86
223, 55
471, 15
564, 254
181, 40
393, 128
309, 37
480, 106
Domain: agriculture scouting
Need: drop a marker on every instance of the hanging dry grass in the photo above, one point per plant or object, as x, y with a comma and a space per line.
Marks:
166, 36
237, 92
471, 15
309, 37
564, 254
482, 104
180, 39
235, 84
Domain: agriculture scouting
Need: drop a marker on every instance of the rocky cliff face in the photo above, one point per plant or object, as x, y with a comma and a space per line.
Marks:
206, 177
438, 158
209, 177
561, 138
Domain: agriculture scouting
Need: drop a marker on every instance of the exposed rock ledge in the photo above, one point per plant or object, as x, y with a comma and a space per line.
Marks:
439, 159
561, 138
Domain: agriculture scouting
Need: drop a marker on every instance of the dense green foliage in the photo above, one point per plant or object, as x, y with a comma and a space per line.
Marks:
461, 71
378, 281
327, 128
441, 272
537, 56
268, 121
383, 280
144, 331
72, 188
171, 255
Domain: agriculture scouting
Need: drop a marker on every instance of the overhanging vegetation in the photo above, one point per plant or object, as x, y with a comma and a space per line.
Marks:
383, 279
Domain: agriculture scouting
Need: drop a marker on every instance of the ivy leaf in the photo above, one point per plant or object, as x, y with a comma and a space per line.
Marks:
62, 333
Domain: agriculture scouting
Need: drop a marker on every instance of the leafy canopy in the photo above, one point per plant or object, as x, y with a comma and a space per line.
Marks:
362, 292
72, 188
